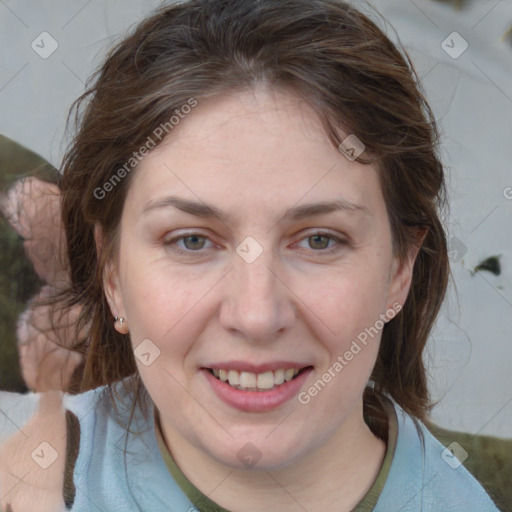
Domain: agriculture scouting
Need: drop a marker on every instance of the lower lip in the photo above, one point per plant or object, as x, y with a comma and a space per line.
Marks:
257, 401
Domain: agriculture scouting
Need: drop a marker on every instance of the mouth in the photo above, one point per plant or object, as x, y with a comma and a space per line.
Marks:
250, 381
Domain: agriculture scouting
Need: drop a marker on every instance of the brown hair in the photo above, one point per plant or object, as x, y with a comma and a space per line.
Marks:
335, 58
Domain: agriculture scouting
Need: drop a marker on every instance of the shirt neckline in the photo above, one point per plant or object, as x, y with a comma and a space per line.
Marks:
367, 503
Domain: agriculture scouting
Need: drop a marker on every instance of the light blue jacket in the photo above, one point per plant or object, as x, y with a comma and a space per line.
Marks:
419, 479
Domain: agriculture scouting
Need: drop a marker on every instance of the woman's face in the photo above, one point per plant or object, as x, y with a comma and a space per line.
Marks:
228, 262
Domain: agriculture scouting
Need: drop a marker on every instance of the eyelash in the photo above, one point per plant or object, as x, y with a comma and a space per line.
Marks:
339, 242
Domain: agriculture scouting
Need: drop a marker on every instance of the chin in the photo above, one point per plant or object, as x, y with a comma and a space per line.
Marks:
257, 453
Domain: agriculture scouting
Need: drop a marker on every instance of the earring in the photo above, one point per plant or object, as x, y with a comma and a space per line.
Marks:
121, 325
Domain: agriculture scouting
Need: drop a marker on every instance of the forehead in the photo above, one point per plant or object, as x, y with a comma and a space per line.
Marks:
256, 149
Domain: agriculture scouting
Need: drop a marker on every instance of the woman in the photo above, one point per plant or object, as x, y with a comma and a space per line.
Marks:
251, 206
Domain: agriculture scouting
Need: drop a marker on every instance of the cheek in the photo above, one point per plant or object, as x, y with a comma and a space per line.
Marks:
347, 300
163, 305
350, 331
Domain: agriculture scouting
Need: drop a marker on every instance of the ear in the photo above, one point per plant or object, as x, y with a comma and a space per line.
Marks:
111, 285
401, 273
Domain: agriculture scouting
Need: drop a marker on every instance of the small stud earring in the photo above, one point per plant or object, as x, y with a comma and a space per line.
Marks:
121, 325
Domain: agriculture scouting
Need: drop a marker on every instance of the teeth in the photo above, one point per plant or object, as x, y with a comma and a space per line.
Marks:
249, 381
279, 377
234, 377
266, 380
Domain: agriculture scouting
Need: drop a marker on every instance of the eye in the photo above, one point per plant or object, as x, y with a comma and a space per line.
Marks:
193, 242
319, 242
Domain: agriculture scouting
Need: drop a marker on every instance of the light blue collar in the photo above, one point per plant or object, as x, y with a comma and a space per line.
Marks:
419, 479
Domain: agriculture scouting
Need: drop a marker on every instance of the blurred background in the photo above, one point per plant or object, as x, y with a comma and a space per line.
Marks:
462, 51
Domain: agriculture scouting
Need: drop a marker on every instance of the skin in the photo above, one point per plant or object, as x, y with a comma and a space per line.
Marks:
26, 485
45, 364
255, 154
32, 208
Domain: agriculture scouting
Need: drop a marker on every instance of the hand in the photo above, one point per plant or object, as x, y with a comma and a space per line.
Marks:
43, 334
32, 208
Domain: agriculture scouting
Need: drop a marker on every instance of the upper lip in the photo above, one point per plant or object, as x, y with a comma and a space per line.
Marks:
243, 366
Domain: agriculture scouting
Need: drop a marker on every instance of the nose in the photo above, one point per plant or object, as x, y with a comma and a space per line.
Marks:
258, 304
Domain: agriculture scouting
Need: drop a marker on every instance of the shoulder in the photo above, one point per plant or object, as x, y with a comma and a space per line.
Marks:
487, 458
88, 405
113, 459
424, 475
97, 458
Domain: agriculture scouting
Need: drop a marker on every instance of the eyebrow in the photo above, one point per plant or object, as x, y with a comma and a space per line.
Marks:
200, 209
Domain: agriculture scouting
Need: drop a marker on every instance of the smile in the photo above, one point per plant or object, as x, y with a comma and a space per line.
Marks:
256, 387
249, 381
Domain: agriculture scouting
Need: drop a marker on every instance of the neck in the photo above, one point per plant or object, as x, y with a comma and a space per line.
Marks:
335, 476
